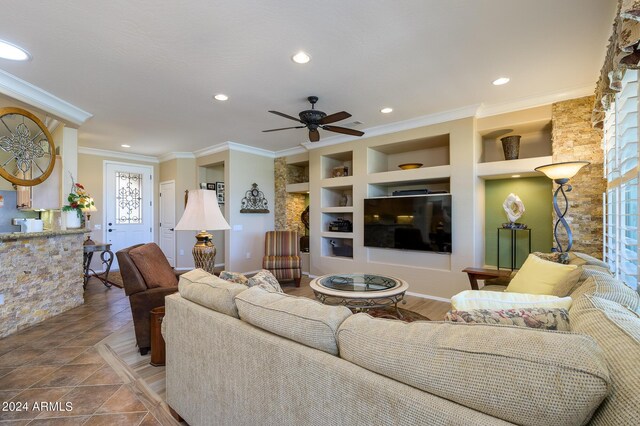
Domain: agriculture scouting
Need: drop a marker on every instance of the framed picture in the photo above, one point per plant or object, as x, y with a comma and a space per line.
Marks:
203, 185
211, 186
220, 192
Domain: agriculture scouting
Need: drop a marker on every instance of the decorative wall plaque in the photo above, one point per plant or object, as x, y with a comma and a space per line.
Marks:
254, 201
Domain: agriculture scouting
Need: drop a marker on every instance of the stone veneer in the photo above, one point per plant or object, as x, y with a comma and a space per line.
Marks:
573, 138
288, 207
40, 277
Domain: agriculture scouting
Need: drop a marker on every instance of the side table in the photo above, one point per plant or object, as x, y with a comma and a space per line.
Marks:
514, 244
106, 256
158, 354
476, 274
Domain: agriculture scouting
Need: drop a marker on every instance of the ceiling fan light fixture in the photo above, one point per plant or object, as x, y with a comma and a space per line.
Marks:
386, 110
221, 97
500, 81
12, 52
301, 57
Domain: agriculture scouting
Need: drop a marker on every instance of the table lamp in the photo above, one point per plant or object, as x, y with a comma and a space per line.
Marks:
202, 214
560, 173
87, 211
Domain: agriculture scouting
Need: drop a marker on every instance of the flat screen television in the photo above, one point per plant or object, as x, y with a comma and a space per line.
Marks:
418, 222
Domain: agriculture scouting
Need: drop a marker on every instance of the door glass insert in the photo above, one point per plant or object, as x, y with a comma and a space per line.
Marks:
128, 198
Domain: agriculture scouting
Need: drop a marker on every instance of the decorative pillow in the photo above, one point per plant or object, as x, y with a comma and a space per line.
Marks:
210, 291
538, 276
153, 266
266, 280
553, 257
300, 319
477, 299
234, 277
543, 318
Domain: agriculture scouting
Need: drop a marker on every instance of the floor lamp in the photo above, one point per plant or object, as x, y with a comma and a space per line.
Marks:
560, 173
202, 214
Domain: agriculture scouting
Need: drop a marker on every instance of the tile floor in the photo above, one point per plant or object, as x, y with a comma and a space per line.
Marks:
56, 363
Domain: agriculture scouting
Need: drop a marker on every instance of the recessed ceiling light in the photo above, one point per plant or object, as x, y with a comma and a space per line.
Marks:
515, 176
500, 81
124, 145
221, 97
386, 110
301, 58
13, 52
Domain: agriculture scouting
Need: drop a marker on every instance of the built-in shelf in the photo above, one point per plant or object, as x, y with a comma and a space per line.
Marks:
430, 152
339, 196
524, 167
298, 188
386, 189
329, 218
434, 174
298, 170
344, 246
337, 165
348, 209
337, 234
337, 182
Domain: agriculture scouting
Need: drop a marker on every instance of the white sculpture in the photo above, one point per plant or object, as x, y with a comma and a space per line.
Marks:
513, 207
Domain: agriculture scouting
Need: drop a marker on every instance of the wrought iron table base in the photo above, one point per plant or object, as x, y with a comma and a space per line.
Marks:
106, 257
362, 305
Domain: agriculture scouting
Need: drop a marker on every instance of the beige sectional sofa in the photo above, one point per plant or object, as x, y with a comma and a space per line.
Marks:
238, 356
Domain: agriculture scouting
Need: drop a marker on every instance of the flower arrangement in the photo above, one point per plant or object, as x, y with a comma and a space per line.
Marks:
78, 199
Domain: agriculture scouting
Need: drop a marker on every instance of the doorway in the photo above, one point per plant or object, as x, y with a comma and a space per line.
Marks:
168, 220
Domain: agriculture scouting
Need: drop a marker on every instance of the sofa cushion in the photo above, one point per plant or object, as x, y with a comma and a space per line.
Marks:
520, 375
234, 277
153, 266
557, 257
210, 291
266, 280
543, 318
297, 318
607, 287
539, 276
480, 299
616, 329
577, 258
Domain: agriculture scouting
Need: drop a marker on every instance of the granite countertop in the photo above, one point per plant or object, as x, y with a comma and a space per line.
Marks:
43, 234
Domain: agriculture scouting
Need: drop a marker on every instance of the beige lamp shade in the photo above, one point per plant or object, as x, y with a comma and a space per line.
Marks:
202, 213
561, 171
91, 208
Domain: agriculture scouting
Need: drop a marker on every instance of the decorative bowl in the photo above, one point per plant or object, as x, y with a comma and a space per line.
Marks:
409, 166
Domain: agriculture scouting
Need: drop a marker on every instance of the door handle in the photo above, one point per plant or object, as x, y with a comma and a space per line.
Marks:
171, 229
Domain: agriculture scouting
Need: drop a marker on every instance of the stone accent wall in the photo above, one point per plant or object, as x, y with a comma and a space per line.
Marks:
288, 207
40, 277
573, 138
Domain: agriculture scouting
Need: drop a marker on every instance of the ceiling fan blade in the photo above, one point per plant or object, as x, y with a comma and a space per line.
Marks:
285, 128
281, 114
335, 117
314, 136
343, 130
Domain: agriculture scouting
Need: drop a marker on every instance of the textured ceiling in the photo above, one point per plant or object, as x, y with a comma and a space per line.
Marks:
147, 69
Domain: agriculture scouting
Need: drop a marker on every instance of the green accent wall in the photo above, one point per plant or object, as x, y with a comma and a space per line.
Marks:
536, 195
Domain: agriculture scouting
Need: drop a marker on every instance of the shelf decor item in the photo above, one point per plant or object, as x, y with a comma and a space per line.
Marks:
409, 166
560, 173
514, 208
254, 201
511, 147
203, 214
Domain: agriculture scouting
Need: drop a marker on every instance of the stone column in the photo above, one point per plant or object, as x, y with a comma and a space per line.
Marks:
573, 139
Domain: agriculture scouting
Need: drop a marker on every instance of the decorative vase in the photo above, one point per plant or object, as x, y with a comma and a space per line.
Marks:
511, 147
72, 219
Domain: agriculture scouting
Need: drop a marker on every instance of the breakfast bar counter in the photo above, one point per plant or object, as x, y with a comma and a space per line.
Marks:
40, 276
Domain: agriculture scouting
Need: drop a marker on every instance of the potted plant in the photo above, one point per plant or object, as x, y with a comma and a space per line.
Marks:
78, 200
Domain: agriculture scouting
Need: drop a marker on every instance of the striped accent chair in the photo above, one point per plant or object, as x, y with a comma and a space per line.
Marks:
281, 255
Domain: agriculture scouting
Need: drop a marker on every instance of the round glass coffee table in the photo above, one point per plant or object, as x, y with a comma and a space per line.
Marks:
359, 291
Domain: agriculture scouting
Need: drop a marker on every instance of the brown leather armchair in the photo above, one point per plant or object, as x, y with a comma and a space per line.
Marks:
141, 297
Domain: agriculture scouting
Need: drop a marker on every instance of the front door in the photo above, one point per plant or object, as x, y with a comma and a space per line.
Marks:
168, 220
128, 205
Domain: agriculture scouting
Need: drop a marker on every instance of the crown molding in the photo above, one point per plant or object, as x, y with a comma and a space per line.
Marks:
290, 151
533, 101
398, 126
23, 91
176, 155
233, 146
117, 154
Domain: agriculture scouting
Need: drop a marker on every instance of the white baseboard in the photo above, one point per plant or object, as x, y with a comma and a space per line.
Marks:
426, 296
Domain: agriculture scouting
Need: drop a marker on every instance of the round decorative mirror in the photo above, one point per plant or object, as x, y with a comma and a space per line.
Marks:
27, 152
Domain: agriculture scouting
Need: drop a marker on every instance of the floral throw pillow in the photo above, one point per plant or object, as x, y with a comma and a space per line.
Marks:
234, 277
557, 257
265, 280
542, 318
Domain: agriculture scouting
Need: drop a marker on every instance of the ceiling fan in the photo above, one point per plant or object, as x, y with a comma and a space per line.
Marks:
313, 119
